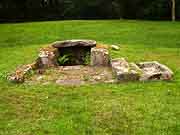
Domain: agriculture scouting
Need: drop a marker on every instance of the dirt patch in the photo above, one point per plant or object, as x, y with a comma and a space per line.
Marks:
73, 75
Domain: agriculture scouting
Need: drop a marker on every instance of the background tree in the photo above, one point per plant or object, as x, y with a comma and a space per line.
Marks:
28, 10
173, 2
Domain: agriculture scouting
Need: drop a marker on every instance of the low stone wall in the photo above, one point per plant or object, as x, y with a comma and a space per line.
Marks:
19, 75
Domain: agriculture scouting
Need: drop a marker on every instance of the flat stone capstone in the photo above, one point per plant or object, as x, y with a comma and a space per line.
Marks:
72, 43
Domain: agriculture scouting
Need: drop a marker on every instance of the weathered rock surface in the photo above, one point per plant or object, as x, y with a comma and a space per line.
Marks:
48, 57
125, 71
155, 71
100, 57
71, 43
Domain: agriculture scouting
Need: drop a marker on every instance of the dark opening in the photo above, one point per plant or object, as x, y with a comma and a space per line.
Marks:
74, 56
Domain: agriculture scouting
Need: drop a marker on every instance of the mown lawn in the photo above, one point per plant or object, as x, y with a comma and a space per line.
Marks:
133, 108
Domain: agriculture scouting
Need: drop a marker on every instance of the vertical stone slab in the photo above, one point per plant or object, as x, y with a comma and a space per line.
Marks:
100, 57
48, 57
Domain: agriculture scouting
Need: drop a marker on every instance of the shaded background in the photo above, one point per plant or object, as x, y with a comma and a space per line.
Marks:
31, 10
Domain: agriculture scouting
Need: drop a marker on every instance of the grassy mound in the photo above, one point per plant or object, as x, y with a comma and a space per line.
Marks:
127, 108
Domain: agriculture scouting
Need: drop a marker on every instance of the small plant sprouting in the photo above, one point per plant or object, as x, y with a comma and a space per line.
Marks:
86, 77
64, 59
87, 59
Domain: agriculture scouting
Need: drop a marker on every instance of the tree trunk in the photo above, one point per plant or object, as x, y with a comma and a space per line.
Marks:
173, 8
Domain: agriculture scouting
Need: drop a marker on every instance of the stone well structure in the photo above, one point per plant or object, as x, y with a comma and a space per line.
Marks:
86, 52
77, 50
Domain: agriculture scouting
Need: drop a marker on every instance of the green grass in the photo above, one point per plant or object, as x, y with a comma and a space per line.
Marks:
133, 108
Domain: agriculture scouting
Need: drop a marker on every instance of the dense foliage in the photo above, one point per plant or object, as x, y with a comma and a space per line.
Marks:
86, 9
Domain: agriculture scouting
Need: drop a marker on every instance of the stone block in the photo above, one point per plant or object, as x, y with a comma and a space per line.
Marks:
100, 57
48, 57
155, 71
115, 47
125, 71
